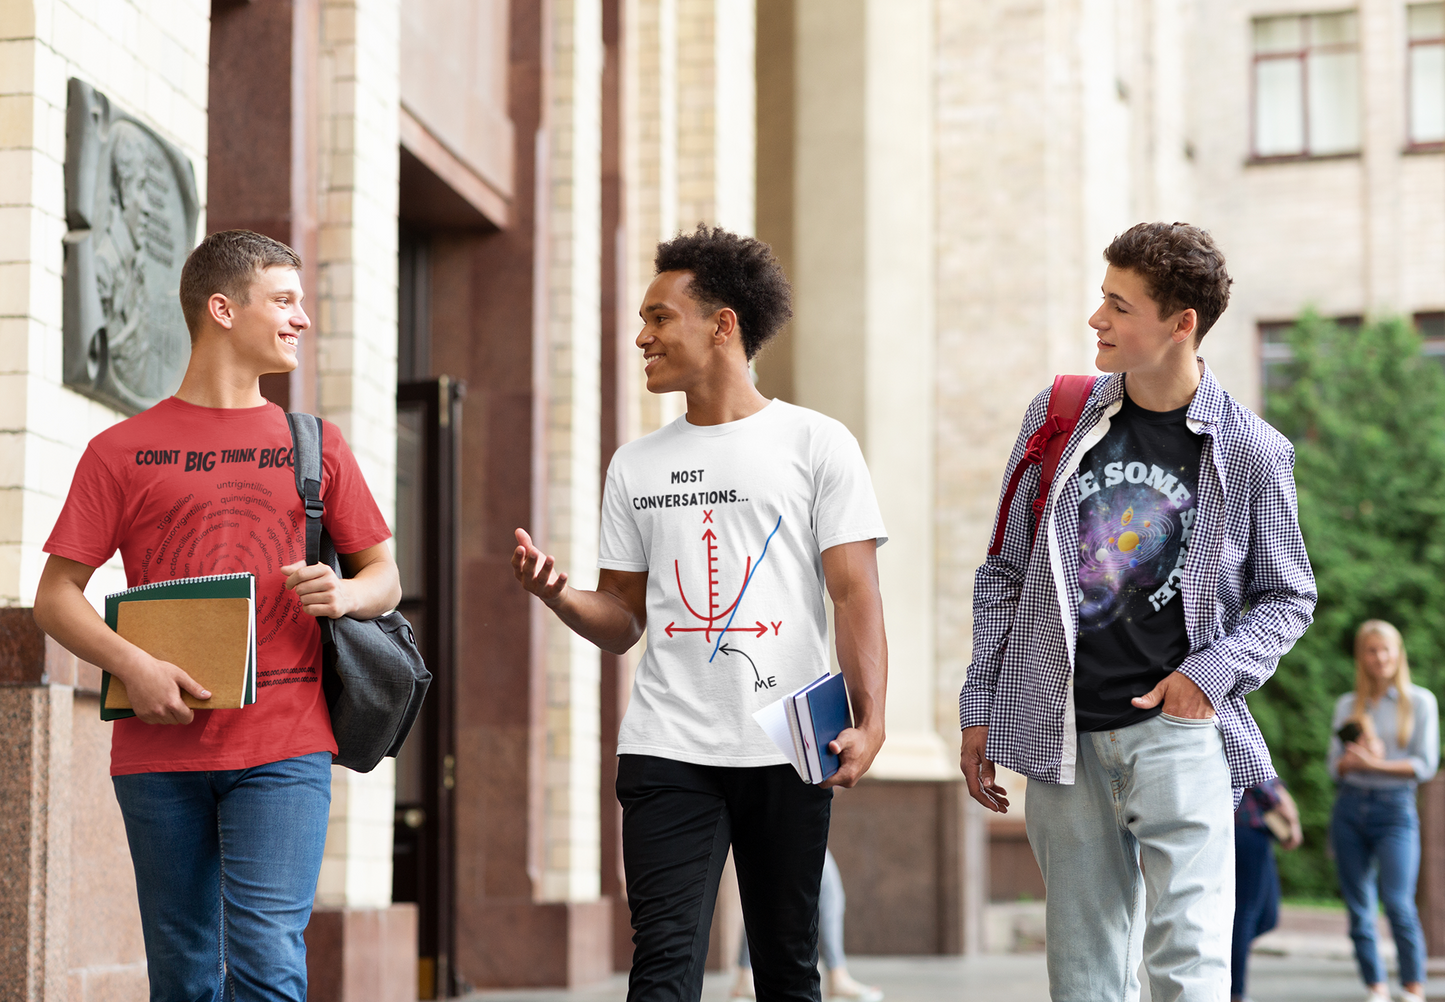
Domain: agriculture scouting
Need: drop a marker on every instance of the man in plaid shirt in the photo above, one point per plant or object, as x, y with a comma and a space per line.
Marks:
1113, 649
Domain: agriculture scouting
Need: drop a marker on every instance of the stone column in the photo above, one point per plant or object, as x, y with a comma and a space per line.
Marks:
361, 945
516, 316
263, 141
570, 862
863, 343
619, 361
35, 829
649, 138
1382, 71
689, 142
715, 112
1430, 892
851, 209
68, 919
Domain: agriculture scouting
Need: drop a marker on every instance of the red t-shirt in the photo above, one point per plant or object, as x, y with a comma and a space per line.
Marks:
183, 491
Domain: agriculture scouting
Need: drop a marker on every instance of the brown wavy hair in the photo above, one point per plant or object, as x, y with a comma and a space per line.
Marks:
227, 262
1181, 266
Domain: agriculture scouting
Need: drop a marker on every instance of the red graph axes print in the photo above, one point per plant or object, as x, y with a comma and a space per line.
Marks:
710, 618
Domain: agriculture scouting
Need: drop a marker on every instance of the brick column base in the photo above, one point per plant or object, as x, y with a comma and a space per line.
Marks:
1430, 891
521, 943
362, 954
914, 860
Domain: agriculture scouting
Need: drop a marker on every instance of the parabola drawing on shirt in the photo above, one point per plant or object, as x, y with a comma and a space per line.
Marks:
746, 581
710, 618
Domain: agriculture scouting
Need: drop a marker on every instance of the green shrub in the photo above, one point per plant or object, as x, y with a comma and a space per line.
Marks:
1366, 413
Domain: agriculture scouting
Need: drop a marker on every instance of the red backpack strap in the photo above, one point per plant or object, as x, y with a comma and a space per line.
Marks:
1046, 447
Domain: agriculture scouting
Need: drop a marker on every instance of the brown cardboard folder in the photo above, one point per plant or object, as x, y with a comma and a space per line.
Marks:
207, 638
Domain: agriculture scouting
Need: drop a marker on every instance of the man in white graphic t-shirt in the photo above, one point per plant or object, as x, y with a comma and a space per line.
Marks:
720, 533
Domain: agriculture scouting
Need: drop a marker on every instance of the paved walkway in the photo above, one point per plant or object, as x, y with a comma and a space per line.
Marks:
1307, 959
1016, 977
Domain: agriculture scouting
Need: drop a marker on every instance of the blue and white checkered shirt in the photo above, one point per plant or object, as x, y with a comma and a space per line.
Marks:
1248, 589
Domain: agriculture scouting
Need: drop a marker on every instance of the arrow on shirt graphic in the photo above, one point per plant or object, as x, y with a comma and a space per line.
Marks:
757, 629
726, 650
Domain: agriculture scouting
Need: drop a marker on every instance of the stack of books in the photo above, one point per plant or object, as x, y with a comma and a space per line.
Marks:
205, 626
803, 723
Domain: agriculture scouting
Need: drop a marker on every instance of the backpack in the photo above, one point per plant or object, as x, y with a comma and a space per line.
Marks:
372, 673
1045, 448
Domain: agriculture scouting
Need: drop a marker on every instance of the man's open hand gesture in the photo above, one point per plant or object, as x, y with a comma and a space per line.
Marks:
537, 572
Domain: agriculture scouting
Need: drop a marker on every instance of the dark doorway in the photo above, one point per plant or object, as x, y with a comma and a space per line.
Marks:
428, 416
428, 425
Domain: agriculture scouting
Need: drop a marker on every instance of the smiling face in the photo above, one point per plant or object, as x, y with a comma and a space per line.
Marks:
1379, 657
1132, 337
680, 342
264, 331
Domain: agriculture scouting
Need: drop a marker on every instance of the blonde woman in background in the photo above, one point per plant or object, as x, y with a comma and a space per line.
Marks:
1386, 740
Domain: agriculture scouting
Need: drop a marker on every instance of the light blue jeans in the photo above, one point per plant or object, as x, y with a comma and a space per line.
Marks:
226, 865
1376, 837
1138, 861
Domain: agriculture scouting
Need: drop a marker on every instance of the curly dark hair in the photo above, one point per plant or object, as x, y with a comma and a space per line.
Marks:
733, 271
1180, 264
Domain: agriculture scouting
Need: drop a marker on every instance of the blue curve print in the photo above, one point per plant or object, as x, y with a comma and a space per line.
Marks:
746, 581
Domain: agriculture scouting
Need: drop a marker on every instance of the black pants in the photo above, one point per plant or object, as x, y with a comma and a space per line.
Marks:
678, 820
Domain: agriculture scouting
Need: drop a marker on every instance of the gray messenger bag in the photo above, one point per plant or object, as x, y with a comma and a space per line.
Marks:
372, 673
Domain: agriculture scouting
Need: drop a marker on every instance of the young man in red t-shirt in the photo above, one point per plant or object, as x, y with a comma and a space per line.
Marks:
225, 810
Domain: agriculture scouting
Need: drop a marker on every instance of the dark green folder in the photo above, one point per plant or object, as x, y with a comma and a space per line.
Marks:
210, 586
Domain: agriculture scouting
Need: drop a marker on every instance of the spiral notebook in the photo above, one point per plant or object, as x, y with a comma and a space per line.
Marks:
206, 626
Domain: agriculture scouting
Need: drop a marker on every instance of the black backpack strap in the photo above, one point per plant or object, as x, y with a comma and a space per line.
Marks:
306, 464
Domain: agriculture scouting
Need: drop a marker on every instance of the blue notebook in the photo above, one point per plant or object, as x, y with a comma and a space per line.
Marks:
822, 709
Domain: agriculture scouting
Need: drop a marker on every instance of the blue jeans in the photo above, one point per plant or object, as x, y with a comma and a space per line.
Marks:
1138, 860
1376, 836
1256, 899
226, 865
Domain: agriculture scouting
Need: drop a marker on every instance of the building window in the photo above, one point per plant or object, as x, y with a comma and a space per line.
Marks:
1425, 23
1276, 353
1432, 334
1306, 85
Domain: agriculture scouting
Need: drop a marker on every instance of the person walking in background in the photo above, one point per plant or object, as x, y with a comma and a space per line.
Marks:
1265, 812
831, 905
1117, 631
1385, 741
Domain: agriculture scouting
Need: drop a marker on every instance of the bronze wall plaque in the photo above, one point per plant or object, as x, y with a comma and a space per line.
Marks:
131, 207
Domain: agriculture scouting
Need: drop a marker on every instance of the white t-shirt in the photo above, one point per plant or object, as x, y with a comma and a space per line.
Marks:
730, 522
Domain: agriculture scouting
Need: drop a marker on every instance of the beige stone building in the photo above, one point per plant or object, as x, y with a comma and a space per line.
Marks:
477, 187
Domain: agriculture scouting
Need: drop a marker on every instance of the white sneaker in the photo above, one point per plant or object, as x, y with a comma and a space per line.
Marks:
1411, 997
842, 986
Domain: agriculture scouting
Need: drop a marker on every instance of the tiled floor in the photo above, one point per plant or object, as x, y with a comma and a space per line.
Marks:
1015, 977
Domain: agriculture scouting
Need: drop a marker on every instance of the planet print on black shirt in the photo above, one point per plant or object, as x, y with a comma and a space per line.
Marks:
1136, 511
